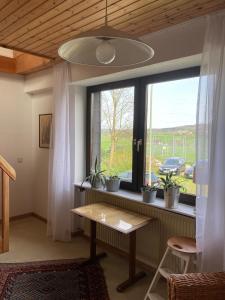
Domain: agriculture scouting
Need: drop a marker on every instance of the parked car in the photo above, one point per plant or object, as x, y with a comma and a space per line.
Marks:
189, 172
172, 164
127, 176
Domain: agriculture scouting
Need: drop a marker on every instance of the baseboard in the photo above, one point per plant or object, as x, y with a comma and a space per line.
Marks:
121, 253
24, 216
19, 217
79, 232
39, 217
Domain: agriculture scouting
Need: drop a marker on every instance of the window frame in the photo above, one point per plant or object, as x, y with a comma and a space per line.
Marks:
133, 186
139, 125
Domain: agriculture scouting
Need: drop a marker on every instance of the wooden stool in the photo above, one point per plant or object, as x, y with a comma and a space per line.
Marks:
182, 247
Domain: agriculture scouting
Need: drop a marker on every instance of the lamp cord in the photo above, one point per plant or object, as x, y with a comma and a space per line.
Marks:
106, 12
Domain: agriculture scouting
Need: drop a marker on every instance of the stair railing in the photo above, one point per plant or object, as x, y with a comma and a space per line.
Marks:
7, 173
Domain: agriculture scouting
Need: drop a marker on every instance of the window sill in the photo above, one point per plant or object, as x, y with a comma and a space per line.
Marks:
183, 209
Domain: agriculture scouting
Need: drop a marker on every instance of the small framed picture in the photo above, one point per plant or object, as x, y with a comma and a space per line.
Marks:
45, 124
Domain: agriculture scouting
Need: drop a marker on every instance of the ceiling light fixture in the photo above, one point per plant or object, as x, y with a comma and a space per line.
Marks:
106, 46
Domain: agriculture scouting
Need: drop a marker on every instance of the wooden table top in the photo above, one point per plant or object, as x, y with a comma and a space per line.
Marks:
114, 217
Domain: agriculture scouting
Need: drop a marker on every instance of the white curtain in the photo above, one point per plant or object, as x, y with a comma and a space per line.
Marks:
60, 173
210, 163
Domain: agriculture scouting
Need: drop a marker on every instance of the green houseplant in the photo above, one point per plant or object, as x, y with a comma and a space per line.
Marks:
149, 193
96, 178
113, 183
171, 187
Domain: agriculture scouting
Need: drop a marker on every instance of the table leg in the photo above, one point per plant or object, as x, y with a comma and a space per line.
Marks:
132, 254
93, 256
133, 276
93, 240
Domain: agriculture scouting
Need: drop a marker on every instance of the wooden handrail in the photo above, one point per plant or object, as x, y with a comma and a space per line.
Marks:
7, 168
7, 172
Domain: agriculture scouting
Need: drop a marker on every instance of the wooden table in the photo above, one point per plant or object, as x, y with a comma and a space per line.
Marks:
122, 220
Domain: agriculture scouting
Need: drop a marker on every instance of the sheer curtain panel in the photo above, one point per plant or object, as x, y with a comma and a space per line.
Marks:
60, 173
210, 163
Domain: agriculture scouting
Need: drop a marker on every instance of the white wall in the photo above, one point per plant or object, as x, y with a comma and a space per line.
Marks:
177, 41
15, 139
38, 87
41, 104
42, 101
38, 81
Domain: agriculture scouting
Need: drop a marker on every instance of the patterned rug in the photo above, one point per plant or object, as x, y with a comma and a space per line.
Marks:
58, 280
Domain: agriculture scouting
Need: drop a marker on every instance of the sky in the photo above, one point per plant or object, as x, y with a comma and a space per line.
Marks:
174, 103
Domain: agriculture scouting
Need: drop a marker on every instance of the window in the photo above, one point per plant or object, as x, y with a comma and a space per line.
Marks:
112, 125
141, 129
170, 132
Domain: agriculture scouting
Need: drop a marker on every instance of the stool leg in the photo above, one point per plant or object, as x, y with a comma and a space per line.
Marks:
187, 264
185, 260
157, 275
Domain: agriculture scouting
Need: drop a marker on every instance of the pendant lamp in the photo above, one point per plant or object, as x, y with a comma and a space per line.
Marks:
106, 46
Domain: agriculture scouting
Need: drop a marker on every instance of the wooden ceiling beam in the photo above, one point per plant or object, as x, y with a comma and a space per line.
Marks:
7, 64
27, 51
27, 63
23, 63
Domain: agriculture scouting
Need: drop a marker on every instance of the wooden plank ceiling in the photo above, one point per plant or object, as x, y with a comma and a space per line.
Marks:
39, 27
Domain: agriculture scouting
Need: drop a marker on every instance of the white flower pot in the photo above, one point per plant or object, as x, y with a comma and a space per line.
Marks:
96, 184
171, 197
149, 196
112, 185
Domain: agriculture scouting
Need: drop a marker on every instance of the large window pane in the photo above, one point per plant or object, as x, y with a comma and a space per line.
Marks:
170, 130
112, 131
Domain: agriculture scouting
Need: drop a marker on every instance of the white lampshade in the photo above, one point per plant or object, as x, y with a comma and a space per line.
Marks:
106, 46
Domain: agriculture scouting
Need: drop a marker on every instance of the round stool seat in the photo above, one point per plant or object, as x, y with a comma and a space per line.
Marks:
182, 244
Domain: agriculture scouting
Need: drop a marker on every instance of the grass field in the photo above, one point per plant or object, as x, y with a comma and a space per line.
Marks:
176, 142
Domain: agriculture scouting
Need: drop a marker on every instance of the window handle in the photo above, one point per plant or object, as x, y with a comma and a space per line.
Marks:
139, 144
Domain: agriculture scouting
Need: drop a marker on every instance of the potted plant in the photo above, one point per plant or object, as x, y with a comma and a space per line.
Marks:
171, 187
96, 178
112, 183
149, 193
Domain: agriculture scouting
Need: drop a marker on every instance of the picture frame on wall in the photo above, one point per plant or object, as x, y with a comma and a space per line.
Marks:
45, 124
